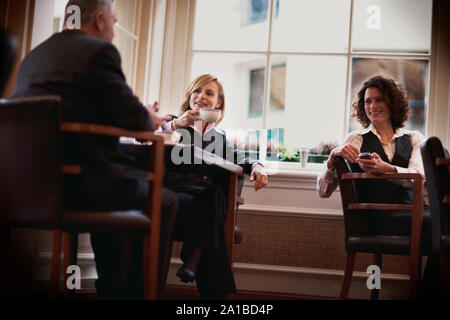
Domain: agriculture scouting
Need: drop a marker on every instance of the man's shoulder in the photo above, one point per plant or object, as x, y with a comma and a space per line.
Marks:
75, 41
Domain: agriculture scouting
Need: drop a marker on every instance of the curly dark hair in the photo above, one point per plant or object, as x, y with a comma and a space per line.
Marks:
394, 95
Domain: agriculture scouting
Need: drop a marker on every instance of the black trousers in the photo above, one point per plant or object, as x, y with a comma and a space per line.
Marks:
200, 223
116, 279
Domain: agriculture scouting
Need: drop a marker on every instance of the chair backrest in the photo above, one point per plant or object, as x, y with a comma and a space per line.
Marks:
30, 161
348, 195
8, 49
438, 184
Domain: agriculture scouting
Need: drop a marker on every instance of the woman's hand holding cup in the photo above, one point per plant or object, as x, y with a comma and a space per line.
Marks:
187, 119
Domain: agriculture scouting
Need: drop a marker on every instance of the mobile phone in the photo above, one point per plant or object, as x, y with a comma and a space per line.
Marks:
365, 155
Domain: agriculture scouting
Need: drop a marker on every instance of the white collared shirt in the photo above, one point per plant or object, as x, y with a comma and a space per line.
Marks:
327, 181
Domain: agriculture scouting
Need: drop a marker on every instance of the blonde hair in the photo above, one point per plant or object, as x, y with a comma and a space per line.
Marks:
197, 83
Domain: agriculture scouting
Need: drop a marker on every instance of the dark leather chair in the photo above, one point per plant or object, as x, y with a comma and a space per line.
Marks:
8, 50
31, 170
358, 240
436, 162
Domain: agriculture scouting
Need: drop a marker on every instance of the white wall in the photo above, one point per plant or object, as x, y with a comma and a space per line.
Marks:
43, 21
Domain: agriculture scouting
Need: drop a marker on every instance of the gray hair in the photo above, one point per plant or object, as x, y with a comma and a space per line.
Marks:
87, 8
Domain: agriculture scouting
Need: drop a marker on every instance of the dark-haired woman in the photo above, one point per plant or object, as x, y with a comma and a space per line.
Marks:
382, 108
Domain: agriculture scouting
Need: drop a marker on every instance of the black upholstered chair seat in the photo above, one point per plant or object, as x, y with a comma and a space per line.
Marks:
392, 227
379, 243
123, 221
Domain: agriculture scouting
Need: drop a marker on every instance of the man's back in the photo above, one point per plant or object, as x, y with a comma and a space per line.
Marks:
85, 71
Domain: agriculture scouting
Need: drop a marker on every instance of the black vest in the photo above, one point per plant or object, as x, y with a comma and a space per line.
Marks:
385, 191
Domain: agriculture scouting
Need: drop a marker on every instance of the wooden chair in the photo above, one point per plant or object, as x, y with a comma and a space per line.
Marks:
233, 234
31, 194
378, 244
437, 171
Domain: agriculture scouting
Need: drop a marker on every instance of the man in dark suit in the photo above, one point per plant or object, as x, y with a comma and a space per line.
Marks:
84, 68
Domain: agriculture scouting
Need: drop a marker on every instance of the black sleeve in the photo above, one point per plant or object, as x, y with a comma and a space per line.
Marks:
113, 97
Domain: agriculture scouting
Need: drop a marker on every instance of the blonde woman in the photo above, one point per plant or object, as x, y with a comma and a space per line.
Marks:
202, 203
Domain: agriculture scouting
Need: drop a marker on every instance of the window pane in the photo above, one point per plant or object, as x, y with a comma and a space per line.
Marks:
126, 14
255, 108
412, 74
278, 85
126, 46
58, 15
311, 26
392, 26
314, 100
231, 25
235, 71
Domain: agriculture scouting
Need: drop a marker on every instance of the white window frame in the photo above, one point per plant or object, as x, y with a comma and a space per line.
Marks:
178, 56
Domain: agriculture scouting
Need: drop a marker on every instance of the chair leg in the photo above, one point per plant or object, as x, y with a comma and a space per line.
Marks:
56, 262
444, 277
70, 258
415, 267
375, 292
150, 267
5, 239
165, 269
349, 262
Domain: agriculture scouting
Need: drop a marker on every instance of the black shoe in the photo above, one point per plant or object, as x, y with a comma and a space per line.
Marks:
185, 274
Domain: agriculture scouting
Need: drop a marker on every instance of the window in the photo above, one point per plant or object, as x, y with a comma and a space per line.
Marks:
298, 71
58, 15
126, 37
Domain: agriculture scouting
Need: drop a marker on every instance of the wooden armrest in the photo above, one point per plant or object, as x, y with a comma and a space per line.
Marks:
446, 200
417, 190
93, 128
396, 176
443, 161
76, 169
71, 169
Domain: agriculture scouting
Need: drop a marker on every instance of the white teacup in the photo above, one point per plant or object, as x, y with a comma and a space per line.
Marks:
210, 115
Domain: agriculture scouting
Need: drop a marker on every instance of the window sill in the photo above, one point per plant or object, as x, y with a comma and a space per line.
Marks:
293, 169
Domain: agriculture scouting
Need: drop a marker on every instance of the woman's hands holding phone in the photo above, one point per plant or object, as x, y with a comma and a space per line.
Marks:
376, 165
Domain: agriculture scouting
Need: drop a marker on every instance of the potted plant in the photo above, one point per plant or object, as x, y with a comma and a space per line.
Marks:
288, 155
321, 153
